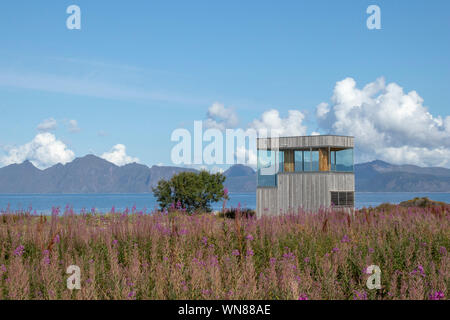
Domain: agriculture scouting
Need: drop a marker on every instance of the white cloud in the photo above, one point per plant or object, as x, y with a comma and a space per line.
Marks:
220, 117
387, 123
88, 86
73, 126
216, 169
47, 125
118, 156
322, 109
272, 124
246, 156
43, 151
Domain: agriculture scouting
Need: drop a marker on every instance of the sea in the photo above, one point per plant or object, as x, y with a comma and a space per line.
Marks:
43, 203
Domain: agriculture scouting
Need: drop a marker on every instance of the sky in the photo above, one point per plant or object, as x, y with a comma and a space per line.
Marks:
138, 70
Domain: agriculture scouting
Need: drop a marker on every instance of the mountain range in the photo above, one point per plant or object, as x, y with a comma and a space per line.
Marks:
380, 176
91, 174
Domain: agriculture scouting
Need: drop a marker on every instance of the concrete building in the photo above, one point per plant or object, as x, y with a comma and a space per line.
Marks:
309, 172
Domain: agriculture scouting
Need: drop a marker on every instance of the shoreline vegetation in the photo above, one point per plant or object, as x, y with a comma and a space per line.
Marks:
174, 255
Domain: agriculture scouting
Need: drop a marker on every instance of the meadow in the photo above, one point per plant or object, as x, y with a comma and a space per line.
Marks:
172, 255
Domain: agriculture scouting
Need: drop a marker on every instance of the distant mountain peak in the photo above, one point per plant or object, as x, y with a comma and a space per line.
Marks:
91, 159
239, 170
26, 164
380, 163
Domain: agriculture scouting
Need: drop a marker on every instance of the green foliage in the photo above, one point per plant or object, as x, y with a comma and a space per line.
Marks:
191, 191
231, 213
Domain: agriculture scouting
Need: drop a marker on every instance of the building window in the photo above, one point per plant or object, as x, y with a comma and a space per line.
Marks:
342, 160
343, 198
268, 167
298, 155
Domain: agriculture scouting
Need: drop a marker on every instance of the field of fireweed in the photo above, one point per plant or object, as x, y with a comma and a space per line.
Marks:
134, 255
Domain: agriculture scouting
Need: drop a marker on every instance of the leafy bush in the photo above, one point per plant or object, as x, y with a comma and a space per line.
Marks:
231, 213
191, 191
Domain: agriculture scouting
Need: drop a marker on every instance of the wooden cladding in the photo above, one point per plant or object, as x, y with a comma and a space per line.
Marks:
324, 162
305, 142
343, 198
289, 161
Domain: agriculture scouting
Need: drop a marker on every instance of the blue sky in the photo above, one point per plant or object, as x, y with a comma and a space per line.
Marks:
137, 70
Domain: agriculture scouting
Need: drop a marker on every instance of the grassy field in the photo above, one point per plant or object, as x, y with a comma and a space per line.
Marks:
176, 256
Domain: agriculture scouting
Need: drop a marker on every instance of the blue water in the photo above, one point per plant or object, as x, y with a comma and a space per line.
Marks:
43, 203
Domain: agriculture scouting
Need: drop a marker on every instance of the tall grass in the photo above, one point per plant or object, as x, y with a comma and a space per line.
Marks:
177, 256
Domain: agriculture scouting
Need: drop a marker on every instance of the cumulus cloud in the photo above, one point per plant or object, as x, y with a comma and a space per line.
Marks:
43, 151
47, 125
220, 117
73, 126
388, 123
271, 123
118, 156
246, 156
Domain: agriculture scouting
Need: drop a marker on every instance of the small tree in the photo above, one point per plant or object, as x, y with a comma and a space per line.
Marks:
191, 191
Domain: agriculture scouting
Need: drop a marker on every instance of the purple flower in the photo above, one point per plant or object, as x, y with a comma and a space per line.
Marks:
2, 268
114, 242
437, 295
225, 192
249, 237
419, 270
443, 251
306, 260
335, 250
205, 241
235, 252
345, 239
250, 252
359, 295
303, 296
56, 239
371, 250
19, 251
46, 254
289, 255
132, 295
